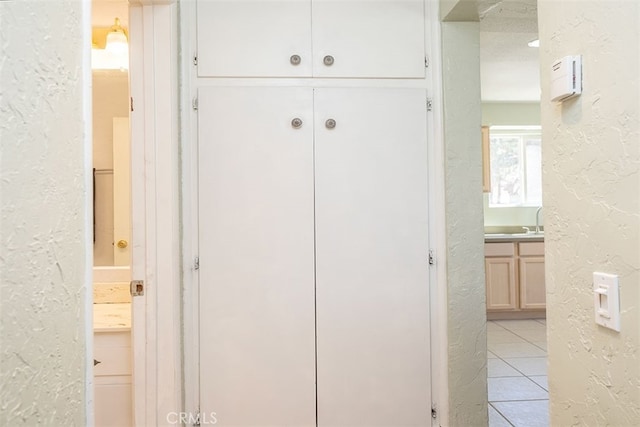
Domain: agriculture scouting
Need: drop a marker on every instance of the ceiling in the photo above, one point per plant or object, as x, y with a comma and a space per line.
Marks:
509, 68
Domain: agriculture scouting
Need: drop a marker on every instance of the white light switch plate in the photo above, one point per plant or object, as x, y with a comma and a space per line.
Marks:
606, 300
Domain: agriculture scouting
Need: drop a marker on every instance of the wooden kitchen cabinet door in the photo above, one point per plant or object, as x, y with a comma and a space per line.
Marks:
500, 278
532, 283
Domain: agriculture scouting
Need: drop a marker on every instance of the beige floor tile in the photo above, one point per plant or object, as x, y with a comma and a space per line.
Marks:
529, 365
516, 350
541, 344
517, 325
514, 388
525, 414
497, 337
500, 368
541, 380
497, 420
532, 335
493, 326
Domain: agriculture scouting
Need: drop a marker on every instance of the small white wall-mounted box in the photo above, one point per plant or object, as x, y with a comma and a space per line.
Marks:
606, 300
566, 78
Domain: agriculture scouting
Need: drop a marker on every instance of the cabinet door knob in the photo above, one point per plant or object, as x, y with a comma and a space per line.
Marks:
122, 244
328, 60
296, 123
295, 59
330, 123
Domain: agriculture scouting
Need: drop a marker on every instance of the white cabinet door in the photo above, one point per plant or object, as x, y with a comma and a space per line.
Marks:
374, 38
257, 322
113, 402
260, 38
372, 290
254, 38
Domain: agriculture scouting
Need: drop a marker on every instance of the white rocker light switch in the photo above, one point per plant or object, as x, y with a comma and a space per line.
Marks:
606, 298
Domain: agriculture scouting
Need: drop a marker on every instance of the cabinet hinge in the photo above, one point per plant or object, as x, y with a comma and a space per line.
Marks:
429, 104
194, 103
432, 257
434, 412
195, 60
196, 263
426, 62
131, 103
136, 288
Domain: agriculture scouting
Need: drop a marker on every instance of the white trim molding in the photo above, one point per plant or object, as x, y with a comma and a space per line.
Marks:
156, 324
437, 224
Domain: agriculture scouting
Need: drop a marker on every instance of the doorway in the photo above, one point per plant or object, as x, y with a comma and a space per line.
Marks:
514, 232
113, 385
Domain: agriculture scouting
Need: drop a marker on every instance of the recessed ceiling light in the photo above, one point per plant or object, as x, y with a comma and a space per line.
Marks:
534, 43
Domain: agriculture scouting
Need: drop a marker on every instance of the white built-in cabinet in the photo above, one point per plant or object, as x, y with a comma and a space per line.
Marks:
313, 263
311, 38
313, 214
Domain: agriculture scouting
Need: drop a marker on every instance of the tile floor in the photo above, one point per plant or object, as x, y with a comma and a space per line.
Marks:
517, 371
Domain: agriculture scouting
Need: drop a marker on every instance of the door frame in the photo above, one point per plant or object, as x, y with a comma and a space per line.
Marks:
437, 222
155, 239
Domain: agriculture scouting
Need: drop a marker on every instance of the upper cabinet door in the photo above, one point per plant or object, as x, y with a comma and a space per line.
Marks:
254, 38
376, 38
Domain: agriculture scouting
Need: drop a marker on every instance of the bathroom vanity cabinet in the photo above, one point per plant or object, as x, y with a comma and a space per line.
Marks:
112, 374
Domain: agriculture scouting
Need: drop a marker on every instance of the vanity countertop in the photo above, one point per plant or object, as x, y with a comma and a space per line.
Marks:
112, 317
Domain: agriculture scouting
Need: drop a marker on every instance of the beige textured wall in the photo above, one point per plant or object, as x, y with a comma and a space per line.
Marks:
591, 155
44, 213
510, 113
465, 241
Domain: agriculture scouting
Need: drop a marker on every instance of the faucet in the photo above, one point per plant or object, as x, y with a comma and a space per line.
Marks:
538, 220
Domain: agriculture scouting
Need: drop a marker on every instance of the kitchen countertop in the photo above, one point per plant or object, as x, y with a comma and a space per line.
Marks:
519, 237
112, 317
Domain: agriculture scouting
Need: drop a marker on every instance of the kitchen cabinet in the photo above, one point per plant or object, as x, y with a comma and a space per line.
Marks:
314, 296
311, 38
531, 267
112, 378
500, 271
514, 276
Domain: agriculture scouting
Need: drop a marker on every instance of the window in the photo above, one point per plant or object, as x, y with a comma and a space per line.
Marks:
516, 166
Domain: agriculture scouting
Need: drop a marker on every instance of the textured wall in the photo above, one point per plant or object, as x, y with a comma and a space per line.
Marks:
43, 217
510, 113
465, 240
591, 182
